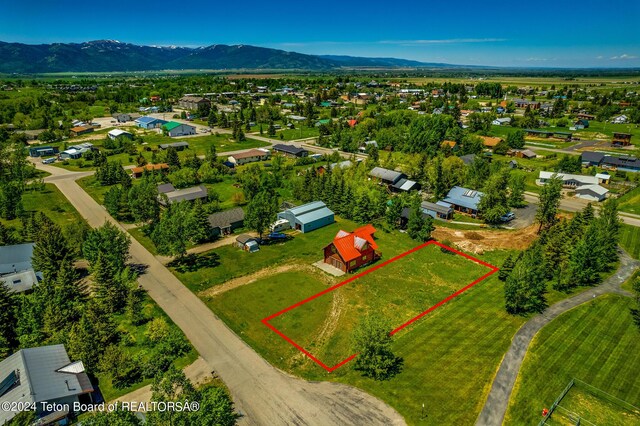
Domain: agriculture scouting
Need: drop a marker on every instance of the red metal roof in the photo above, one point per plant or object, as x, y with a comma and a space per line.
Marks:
347, 243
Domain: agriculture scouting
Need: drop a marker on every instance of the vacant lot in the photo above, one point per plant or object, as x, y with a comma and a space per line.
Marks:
596, 343
399, 291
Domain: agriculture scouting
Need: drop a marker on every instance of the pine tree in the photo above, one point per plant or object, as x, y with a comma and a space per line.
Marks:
172, 157
525, 286
507, 267
199, 223
550, 196
416, 222
8, 322
51, 249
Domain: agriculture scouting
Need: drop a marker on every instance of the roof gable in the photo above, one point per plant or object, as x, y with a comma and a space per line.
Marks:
351, 245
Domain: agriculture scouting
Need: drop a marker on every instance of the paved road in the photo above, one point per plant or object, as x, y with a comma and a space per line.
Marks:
262, 394
576, 204
495, 407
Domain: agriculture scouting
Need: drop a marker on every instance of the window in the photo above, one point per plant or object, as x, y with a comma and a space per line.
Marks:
364, 257
352, 263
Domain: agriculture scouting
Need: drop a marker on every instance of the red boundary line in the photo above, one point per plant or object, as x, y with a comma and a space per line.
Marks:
266, 320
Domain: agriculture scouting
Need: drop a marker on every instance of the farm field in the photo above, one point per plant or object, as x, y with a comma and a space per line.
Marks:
596, 343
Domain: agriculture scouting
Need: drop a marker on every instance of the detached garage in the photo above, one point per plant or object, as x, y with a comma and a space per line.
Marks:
308, 217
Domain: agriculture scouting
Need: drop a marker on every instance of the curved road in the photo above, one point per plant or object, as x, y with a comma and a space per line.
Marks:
495, 407
263, 394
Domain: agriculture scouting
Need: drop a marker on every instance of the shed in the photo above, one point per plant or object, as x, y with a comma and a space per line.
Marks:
179, 146
247, 242
308, 217
119, 133
592, 192
147, 122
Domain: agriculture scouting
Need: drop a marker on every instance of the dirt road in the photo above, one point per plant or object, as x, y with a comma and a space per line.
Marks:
263, 395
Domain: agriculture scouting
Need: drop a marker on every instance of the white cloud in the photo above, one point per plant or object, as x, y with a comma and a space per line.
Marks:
623, 57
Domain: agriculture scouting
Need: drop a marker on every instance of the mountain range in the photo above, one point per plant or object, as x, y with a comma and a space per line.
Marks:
115, 56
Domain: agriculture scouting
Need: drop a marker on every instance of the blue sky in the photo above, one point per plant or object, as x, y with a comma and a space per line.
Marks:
543, 33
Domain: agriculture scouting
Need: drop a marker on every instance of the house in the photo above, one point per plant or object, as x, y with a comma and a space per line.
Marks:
625, 163
308, 217
174, 129
490, 142
590, 158
80, 130
464, 200
76, 151
351, 250
505, 121
586, 116
523, 103
581, 124
439, 210
122, 117
405, 185
41, 375
249, 157
247, 243
523, 153
119, 133
169, 195
42, 151
178, 146
592, 192
137, 172
297, 118
16, 271
568, 180
193, 102
621, 139
341, 165
224, 222
386, 176
148, 123
324, 121
621, 119
365, 146
290, 150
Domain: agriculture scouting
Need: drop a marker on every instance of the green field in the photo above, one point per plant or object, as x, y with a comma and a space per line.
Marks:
630, 202
51, 202
450, 355
399, 291
596, 342
630, 240
592, 406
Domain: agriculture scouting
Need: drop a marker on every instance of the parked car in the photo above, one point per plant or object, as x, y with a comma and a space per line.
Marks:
508, 217
49, 160
277, 236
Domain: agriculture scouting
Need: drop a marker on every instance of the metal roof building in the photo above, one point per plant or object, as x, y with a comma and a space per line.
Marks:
16, 271
177, 195
385, 175
463, 199
42, 374
309, 216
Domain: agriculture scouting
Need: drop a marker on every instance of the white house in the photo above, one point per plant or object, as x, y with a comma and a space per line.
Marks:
621, 119
501, 121
592, 192
249, 156
586, 187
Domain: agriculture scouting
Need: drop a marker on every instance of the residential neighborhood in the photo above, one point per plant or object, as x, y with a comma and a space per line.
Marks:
421, 225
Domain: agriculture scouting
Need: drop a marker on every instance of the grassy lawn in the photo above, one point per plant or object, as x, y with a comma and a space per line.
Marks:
596, 343
399, 291
630, 202
139, 346
450, 355
51, 202
300, 132
630, 240
93, 188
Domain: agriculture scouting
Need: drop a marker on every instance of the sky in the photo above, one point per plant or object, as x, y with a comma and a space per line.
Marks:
542, 33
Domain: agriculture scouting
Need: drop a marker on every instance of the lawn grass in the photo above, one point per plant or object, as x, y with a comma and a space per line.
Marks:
592, 408
398, 292
630, 202
630, 240
450, 356
51, 202
300, 132
596, 343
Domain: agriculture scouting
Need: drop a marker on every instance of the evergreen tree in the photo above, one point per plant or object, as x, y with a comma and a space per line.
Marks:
51, 249
394, 211
517, 188
8, 321
199, 223
550, 195
525, 286
172, 158
109, 242
507, 267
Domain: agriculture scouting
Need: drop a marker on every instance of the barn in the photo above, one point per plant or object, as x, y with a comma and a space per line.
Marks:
351, 250
308, 217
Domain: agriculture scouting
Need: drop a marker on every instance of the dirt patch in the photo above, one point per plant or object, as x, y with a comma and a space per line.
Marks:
248, 279
478, 242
